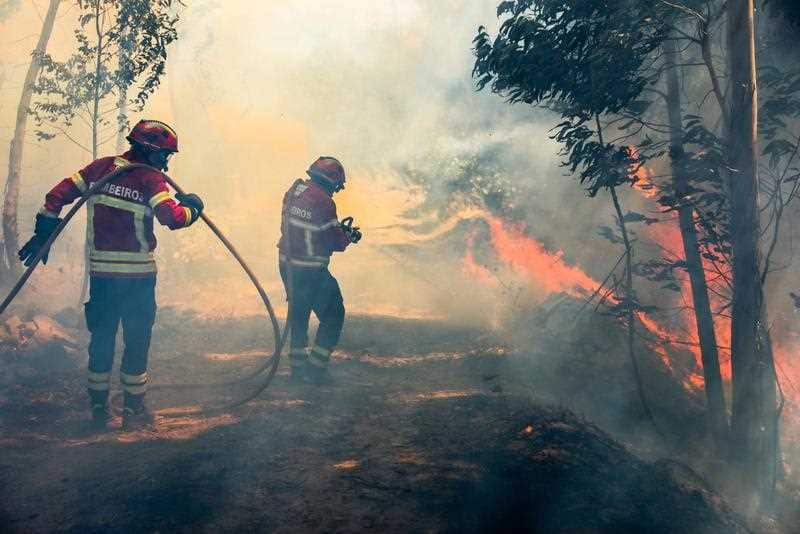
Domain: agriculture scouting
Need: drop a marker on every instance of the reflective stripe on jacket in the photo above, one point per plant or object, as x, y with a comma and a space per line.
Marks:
119, 229
310, 229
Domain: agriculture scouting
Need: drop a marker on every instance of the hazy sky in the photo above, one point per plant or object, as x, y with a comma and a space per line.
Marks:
257, 90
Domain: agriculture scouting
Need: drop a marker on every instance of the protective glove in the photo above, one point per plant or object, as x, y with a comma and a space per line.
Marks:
191, 201
44, 228
353, 233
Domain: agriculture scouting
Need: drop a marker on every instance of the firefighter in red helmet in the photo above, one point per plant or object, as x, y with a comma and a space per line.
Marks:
120, 239
311, 232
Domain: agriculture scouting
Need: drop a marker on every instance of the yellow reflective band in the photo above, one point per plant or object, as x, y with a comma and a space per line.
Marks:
90, 224
122, 204
316, 361
47, 213
113, 255
135, 389
313, 261
121, 162
158, 198
77, 179
321, 351
309, 243
98, 386
138, 224
189, 216
133, 380
98, 377
133, 268
303, 224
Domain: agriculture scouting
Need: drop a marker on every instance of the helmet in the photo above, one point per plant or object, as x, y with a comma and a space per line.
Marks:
328, 170
154, 135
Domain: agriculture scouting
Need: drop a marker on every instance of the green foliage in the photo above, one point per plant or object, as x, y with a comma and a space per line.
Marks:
779, 112
589, 56
584, 60
119, 43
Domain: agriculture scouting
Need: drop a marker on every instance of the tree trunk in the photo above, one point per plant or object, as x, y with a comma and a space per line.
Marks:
15, 152
715, 398
630, 295
97, 73
753, 421
122, 117
95, 133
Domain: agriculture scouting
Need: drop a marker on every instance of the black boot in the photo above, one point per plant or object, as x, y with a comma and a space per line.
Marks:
298, 375
318, 376
100, 412
135, 415
298, 359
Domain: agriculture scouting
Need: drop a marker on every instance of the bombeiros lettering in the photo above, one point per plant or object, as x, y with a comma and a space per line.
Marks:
123, 192
300, 212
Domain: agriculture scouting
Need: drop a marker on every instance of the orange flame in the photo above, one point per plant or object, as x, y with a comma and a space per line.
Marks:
476, 270
668, 237
550, 273
530, 259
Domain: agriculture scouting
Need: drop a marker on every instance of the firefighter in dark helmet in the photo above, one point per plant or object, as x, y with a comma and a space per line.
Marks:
311, 232
121, 242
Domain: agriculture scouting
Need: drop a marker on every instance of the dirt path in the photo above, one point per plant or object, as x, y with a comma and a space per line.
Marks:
418, 433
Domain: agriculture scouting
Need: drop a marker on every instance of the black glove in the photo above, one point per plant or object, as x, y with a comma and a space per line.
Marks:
44, 228
352, 231
191, 201
354, 235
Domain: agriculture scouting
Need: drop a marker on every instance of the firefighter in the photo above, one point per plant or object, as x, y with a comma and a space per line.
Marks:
120, 241
311, 232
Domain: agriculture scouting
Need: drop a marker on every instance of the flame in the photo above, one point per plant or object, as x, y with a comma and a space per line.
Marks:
476, 270
551, 273
644, 181
668, 236
529, 258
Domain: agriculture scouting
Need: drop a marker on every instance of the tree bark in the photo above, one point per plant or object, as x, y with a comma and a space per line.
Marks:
630, 295
97, 73
16, 148
122, 116
753, 421
715, 398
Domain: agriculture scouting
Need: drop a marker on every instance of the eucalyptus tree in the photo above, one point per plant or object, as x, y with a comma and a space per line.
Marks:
626, 66
10, 264
119, 44
584, 61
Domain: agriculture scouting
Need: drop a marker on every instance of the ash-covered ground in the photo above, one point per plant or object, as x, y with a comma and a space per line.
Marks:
428, 427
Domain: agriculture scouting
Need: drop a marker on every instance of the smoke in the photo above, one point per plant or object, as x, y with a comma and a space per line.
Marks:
257, 91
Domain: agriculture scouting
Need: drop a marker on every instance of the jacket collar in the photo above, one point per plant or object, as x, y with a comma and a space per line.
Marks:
320, 185
131, 156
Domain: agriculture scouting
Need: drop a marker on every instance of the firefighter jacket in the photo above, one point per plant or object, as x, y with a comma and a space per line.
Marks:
310, 230
119, 224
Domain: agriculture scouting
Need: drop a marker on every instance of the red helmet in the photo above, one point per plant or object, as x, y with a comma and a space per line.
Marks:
329, 170
154, 135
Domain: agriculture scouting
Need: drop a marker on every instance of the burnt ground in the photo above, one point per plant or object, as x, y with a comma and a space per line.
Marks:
427, 427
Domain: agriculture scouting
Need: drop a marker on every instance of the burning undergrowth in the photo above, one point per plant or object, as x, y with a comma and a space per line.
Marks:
550, 307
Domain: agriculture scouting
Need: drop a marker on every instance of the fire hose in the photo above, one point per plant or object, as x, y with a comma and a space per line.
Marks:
270, 364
